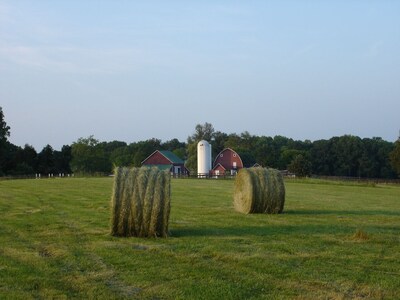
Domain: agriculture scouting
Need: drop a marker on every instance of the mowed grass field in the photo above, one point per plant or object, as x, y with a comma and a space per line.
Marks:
55, 243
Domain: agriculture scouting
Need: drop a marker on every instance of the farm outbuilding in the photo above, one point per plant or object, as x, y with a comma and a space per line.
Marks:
218, 170
166, 160
227, 161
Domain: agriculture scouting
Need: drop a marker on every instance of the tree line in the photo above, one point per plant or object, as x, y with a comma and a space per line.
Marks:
346, 155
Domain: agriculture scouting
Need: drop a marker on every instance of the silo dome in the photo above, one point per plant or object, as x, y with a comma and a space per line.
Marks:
203, 158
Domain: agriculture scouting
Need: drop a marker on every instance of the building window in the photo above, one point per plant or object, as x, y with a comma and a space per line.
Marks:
221, 155
234, 154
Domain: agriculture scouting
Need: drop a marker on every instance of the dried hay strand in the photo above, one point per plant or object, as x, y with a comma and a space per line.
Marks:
148, 201
259, 190
360, 236
166, 195
276, 197
139, 202
161, 208
115, 201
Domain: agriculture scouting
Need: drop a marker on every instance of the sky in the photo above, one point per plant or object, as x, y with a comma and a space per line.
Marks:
135, 70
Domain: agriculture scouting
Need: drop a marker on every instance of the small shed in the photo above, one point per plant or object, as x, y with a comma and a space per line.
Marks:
166, 160
218, 170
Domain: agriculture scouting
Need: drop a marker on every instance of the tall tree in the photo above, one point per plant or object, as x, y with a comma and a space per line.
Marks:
300, 166
395, 157
28, 161
46, 162
175, 146
322, 157
202, 132
143, 149
63, 159
264, 151
86, 156
347, 151
4, 134
218, 143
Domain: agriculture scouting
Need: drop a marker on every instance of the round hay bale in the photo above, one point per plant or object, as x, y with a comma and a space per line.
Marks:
140, 202
116, 201
148, 202
244, 191
161, 207
276, 192
259, 190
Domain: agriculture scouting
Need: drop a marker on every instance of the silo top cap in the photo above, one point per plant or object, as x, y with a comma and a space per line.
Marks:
203, 143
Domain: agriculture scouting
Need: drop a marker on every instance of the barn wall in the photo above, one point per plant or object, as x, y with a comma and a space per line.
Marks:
220, 169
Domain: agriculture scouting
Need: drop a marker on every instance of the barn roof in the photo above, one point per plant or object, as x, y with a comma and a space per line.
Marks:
219, 165
168, 155
172, 157
225, 150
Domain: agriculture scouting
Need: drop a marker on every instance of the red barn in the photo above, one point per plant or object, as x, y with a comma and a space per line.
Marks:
227, 161
166, 160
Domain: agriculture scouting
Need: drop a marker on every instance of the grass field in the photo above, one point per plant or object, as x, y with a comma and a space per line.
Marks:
334, 241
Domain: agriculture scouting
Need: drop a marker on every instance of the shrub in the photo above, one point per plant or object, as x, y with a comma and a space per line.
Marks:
259, 190
140, 203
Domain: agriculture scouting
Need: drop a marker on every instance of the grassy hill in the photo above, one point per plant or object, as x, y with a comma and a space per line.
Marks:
333, 241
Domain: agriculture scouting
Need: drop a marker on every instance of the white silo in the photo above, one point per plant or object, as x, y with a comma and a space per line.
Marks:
203, 158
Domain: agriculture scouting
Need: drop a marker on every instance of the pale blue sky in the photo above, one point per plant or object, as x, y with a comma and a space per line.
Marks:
133, 70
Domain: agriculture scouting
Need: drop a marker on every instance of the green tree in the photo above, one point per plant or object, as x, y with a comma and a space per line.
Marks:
264, 152
143, 149
322, 157
300, 166
4, 134
233, 141
87, 157
46, 162
4, 129
395, 157
347, 151
11, 157
63, 159
122, 157
288, 155
175, 146
27, 163
202, 132
218, 142
172, 145
375, 159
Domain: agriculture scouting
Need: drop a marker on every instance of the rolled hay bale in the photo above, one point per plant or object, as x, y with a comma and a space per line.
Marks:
138, 203
259, 190
161, 208
116, 201
148, 201
244, 191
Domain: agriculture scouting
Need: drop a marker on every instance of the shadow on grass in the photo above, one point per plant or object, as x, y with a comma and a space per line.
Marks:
274, 230
259, 230
343, 212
